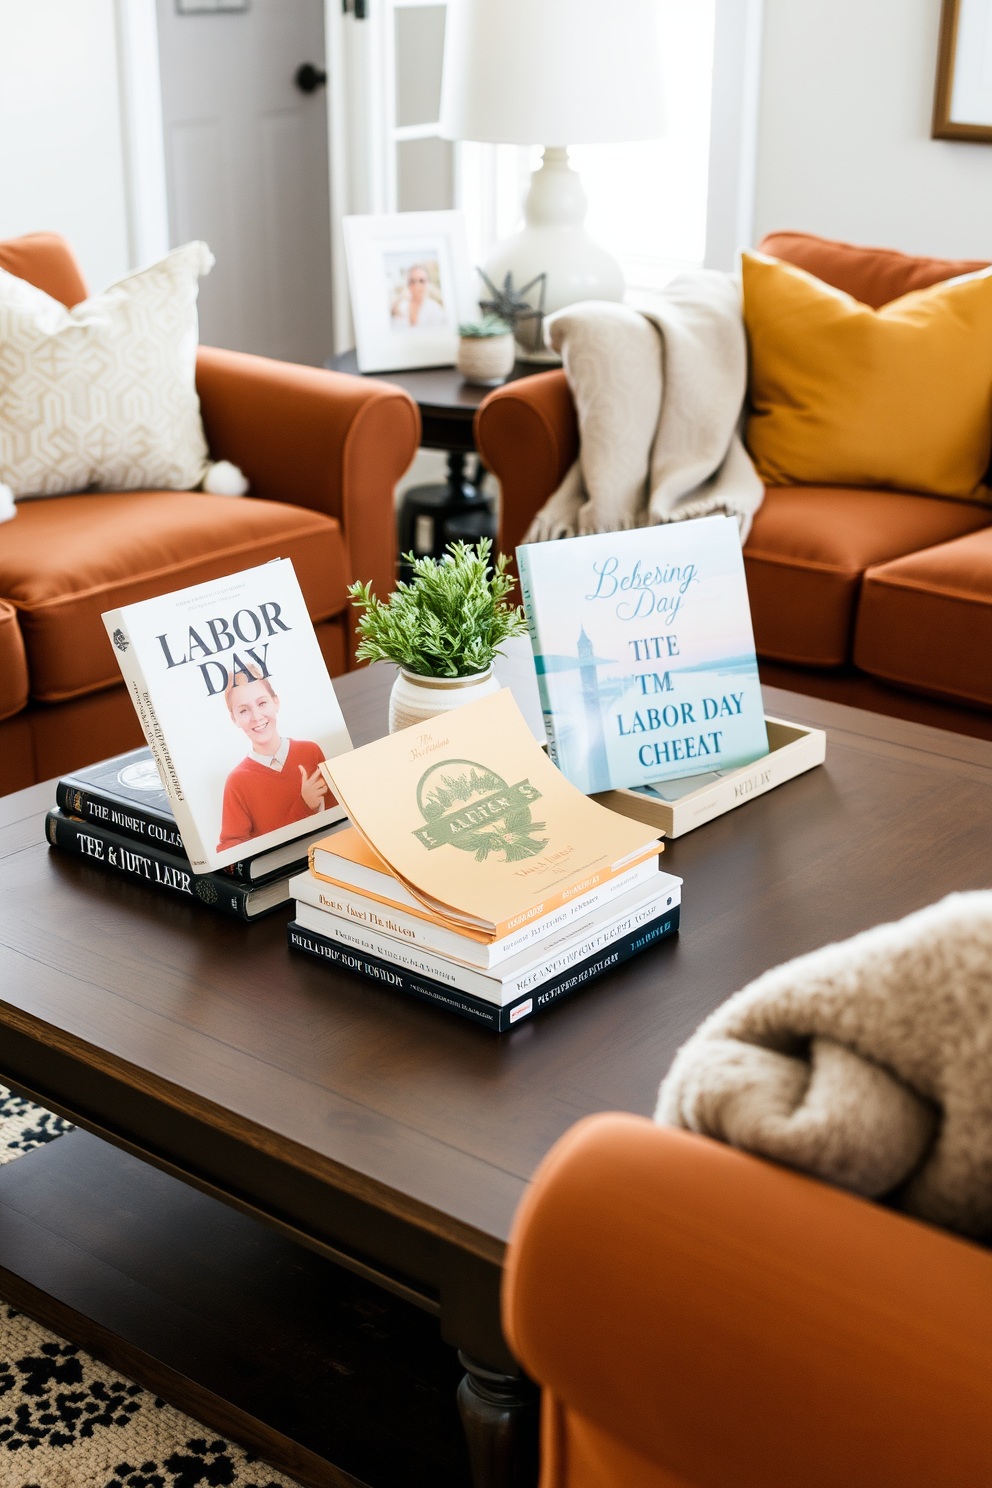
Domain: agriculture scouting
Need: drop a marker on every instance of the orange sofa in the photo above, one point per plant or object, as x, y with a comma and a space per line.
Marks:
698, 1318
854, 593
323, 452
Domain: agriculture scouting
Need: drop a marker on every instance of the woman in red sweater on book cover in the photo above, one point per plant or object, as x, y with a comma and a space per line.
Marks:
278, 782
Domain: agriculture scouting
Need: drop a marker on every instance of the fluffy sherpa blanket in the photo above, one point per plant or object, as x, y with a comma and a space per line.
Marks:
658, 391
867, 1063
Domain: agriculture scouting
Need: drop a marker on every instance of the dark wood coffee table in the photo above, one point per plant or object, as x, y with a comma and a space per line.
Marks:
376, 1132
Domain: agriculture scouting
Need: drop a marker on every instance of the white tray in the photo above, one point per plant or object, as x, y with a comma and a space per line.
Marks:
792, 749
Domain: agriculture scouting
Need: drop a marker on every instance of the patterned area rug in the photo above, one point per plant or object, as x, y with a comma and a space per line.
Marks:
67, 1421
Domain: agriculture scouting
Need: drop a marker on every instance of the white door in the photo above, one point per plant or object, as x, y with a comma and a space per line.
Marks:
246, 165
388, 156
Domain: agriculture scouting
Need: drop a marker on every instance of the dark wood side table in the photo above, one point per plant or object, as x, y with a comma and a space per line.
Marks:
431, 516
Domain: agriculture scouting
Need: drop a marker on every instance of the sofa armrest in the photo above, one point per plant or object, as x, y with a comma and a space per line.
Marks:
528, 436
13, 664
735, 1322
323, 440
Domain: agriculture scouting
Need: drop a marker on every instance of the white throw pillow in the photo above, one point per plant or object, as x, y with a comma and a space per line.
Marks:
103, 397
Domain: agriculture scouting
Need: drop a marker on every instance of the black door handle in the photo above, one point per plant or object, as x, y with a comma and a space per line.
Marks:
309, 78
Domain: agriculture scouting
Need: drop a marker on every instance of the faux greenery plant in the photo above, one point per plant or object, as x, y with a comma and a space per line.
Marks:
489, 325
449, 622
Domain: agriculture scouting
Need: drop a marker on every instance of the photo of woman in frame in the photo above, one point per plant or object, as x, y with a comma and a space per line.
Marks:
414, 287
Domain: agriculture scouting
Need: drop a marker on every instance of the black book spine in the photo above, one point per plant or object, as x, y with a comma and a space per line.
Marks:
499, 1019
150, 865
146, 827
127, 821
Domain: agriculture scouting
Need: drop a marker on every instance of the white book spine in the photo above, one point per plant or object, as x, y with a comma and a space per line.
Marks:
530, 610
415, 931
137, 685
491, 987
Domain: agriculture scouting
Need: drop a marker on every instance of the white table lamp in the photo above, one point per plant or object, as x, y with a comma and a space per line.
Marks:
526, 72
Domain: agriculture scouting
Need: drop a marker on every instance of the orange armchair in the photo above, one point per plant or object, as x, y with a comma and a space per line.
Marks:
698, 1318
323, 452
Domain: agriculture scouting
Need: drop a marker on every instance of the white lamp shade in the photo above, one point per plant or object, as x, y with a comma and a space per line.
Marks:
552, 72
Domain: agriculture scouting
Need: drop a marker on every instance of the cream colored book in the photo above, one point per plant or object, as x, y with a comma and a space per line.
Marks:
678, 806
475, 820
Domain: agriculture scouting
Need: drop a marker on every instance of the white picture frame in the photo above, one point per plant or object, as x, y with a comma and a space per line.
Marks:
410, 283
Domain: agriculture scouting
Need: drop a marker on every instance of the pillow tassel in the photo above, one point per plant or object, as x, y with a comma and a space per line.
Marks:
223, 478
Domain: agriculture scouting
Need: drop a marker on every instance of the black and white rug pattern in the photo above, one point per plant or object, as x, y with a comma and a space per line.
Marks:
67, 1421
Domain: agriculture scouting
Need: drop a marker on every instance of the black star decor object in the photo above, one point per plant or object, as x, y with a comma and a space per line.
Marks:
511, 305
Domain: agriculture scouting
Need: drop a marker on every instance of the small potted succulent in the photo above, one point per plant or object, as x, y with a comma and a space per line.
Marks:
486, 350
442, 630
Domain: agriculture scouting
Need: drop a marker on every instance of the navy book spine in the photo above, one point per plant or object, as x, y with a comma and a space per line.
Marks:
488, 1014
110, 815
149, 865
149, 828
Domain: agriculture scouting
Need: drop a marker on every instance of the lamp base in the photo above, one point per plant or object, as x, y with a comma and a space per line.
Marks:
554, 242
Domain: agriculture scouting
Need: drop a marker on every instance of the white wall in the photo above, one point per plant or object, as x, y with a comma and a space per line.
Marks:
61, 154
844, 145
76, 77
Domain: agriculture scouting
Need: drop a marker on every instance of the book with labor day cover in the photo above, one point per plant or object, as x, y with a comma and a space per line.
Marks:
235, 703
476, 822
644, 653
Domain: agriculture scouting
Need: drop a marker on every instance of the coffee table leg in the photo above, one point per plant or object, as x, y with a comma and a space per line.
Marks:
500, 1415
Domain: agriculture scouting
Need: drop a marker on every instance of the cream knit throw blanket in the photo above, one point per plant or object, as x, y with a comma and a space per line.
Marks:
658, 391
867, 1063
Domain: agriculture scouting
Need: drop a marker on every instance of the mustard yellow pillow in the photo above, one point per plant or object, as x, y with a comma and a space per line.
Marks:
843, 395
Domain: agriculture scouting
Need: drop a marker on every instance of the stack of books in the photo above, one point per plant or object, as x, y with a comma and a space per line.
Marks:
116, 815
474, 876
237, 710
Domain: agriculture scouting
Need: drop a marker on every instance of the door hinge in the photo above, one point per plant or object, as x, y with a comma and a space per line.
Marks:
358, 8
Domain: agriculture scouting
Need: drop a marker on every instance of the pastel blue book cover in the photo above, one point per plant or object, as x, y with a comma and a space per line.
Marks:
644, 653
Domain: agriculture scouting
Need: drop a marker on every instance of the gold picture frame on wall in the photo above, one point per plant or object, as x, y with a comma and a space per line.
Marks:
962, 103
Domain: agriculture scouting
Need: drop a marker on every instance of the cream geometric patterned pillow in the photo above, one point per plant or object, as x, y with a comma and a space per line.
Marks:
103, 397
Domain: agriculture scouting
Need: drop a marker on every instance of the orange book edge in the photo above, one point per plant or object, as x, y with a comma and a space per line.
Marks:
359, 850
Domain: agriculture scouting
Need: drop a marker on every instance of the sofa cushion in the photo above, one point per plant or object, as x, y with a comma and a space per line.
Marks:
13, 663
872, 275
808, 548
841, 394
65, 560
925, 621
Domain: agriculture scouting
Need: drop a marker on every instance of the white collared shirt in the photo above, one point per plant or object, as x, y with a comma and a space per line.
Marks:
273, 761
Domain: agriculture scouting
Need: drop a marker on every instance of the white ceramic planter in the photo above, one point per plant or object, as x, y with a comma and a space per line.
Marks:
414, 698
485, 358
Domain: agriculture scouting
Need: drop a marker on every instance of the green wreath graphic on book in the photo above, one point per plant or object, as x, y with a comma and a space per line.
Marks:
472, 808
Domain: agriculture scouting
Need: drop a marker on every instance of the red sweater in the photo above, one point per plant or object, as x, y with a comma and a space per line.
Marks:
258, 799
